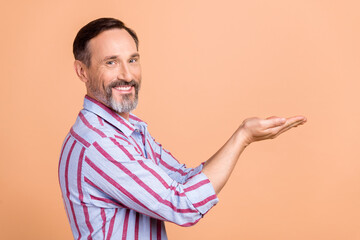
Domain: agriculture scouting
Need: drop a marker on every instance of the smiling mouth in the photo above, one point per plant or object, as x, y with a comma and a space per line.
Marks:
123, 88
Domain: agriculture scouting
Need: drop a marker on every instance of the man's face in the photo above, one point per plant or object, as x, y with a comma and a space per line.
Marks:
114, 75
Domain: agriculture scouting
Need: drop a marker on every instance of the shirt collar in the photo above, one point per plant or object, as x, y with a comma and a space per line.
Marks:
109, 115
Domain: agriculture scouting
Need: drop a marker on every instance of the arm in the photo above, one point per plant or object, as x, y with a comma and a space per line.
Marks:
114, 168
219, 167
167, 162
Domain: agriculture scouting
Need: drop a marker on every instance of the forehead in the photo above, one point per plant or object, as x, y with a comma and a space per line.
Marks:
112, 42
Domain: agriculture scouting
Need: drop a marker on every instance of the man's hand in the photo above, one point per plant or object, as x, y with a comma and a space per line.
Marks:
256, 129
219, 167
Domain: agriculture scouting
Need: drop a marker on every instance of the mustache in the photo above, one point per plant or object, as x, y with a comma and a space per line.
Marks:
120, 83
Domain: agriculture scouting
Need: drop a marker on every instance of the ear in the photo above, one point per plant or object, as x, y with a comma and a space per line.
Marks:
81, 71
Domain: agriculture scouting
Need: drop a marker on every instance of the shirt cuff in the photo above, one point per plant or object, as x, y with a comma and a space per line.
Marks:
201, 193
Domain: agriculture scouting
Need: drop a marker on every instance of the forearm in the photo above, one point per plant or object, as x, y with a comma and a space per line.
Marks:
220, 166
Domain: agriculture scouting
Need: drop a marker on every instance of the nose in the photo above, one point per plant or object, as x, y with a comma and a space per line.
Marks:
124, 72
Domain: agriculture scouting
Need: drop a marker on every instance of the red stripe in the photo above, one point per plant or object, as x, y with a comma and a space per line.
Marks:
137, 226
123, 149
157, 155
170, 154
203, 202
86, 122
143, 138
181, 172
81, 196
105, 154
188, 179
152, 151
152, 171
164, 149
118, 186
155, 174
125, 192
62, 151
142, 153
120, 132
126, 223
106, 200
135, 118
197, 185
123, 139
92, 184
111, 112
78, 138
67, 187
129, 195
111, 225
100, 121
102, 199
138, 180
138, 150
103, 217
158, 230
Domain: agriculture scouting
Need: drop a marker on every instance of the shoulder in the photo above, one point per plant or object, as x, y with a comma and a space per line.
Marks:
113, 149
90, 128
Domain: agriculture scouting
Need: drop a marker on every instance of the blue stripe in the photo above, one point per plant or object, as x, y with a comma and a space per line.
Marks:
117, 172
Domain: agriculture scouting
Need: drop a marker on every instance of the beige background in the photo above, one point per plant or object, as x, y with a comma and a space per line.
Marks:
207, 65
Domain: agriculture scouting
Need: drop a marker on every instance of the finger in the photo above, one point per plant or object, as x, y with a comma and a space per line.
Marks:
288, 127
272, 117
296, 118
272, 122
290, 123
276, 122
284, 130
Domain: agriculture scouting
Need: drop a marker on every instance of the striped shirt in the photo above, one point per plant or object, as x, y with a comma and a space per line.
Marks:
117, 182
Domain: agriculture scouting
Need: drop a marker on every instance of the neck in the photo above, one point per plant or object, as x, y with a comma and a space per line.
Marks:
125, 115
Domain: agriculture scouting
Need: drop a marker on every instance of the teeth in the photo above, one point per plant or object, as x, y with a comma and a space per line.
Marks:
124, 88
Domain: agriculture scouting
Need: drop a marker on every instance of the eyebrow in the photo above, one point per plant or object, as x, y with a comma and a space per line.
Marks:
112, 57
135, 55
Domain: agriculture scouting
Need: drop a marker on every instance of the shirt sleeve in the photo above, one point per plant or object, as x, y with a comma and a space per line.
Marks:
115, 168
171, 165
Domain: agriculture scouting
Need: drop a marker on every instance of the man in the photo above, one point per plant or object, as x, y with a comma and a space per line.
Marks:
116, 181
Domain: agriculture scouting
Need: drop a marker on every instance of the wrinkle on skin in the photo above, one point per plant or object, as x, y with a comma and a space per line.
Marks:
114, 62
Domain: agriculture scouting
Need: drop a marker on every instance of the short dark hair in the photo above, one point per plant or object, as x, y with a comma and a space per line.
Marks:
91, 30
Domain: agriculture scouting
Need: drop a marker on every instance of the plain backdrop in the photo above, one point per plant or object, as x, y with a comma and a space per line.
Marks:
207, 65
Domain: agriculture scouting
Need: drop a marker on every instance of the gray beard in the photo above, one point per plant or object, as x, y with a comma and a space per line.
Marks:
127, 105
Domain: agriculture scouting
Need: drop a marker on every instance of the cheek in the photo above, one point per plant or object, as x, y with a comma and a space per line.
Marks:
136, 72
106, 77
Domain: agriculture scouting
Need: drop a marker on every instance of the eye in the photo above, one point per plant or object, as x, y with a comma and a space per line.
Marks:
110, 62
133, 60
